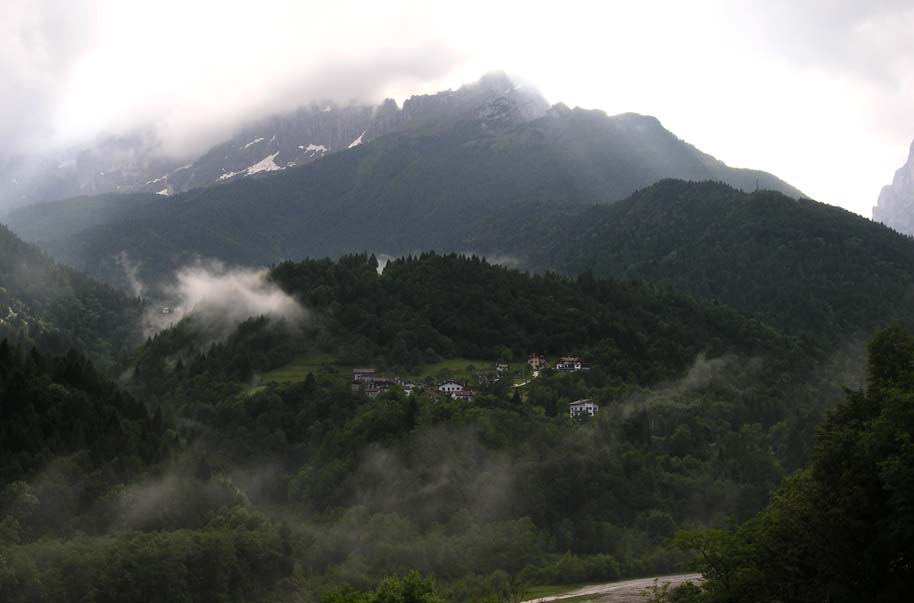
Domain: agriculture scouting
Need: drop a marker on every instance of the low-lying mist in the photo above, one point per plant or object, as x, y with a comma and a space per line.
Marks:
220, 298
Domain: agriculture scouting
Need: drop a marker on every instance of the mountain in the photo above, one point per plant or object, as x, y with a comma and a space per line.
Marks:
804, 266
308, 134
136, 163
895, 206
56, 308
433, 182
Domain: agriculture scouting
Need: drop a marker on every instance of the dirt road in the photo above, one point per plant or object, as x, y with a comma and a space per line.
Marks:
628, 591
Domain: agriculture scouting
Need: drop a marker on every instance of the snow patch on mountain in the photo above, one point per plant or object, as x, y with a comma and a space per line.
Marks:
357, 141
264, 165
267, 164
253, 142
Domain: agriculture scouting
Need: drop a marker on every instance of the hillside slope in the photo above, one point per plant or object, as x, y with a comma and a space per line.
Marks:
56, 308
798, 264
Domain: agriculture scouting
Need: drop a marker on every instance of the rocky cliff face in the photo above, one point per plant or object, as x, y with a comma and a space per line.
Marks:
133, 164
895, 206
310, 133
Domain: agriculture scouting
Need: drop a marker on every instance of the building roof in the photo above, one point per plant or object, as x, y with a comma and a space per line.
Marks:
581, 402
569, 359
364, 370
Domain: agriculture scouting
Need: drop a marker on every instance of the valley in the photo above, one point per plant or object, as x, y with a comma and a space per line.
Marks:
471, 347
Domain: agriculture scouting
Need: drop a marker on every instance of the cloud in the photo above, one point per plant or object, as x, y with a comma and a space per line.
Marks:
132, 274
220, 298
192, 72
444, 469
871, 40
40, 43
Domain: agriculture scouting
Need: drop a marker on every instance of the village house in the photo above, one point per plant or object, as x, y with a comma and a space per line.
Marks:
449, 387
537, 362
363, 374
375, 387
408, 386
583, 407
367, 380
466, 395
570, 364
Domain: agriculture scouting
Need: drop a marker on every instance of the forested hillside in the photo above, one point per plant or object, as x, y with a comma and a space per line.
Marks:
56, 308
425, 308
302, 485
841, 529
59, 406
804, 266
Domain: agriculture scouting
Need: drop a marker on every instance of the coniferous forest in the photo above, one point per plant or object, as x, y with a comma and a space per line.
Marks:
190, 465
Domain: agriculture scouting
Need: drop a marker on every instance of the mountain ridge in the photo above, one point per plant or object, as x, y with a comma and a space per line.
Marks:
461, 156
136, 163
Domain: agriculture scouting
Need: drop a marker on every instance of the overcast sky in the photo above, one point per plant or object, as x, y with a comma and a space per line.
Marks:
819, 92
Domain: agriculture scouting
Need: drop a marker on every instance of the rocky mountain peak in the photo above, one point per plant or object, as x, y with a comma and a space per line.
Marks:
494, 101
895, 206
